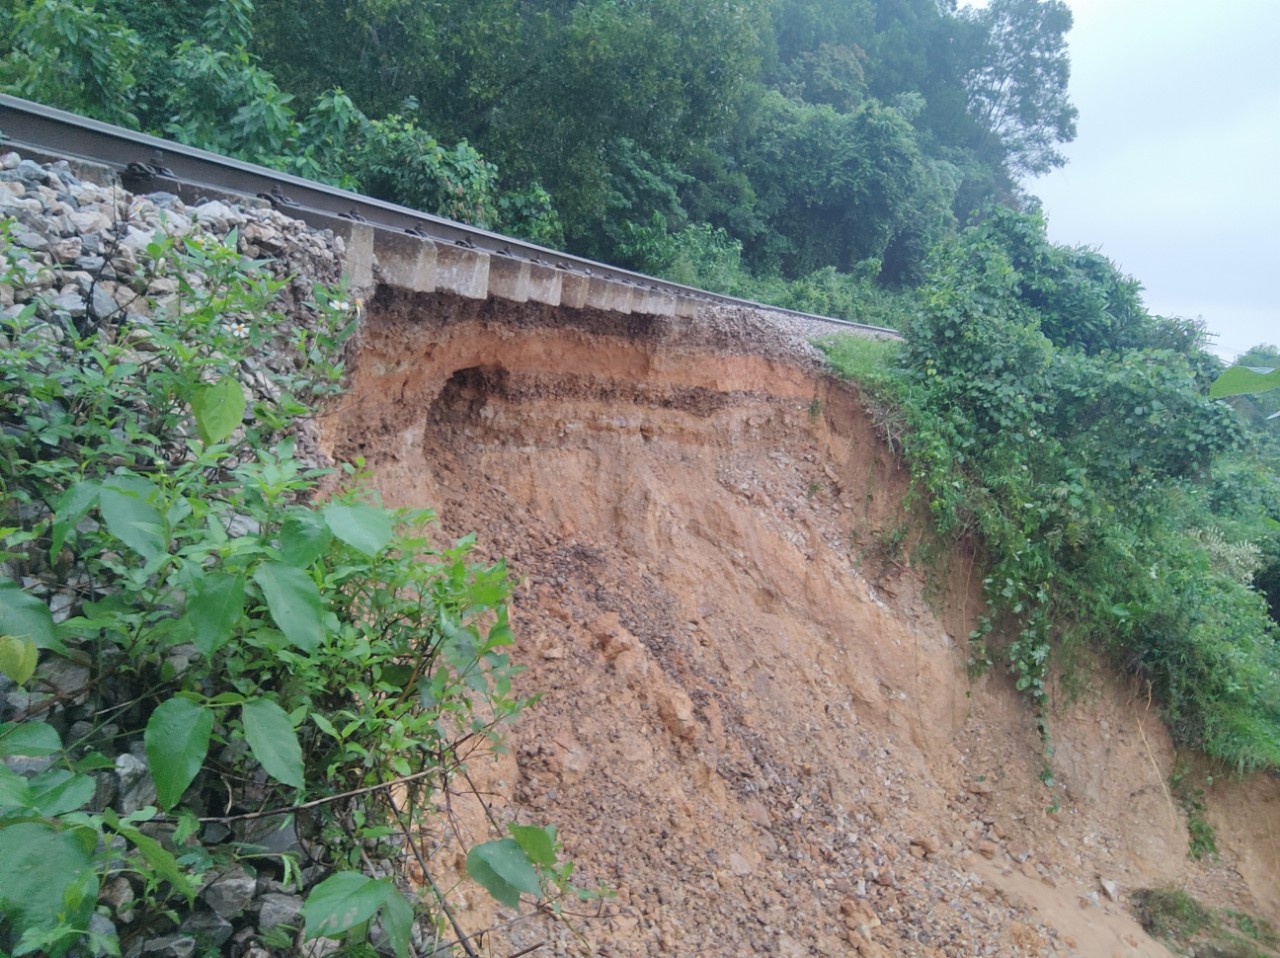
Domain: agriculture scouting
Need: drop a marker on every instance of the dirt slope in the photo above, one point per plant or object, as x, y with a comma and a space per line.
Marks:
757, 725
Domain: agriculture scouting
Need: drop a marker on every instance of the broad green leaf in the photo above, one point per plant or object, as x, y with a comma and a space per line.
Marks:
504, 869
460, 647
69, 510
92, 762
294, 602
325, 725
161, 860
367, 528
14, 789
396, 676
339, 903
18, 657
188, 826
273, 741
127, 506
46, 873
397, 919
23, 615
177, 741
218, 409
56, 791
538, 843
1241, 380
214, 605
29, 738
304, 535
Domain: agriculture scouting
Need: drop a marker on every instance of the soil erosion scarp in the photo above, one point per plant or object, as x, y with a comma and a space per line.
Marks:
756, 724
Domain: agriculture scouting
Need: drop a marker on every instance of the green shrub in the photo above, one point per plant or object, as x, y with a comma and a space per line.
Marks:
1086, 473
277, 656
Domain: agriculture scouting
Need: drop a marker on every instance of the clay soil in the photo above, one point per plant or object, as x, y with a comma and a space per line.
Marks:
756, 722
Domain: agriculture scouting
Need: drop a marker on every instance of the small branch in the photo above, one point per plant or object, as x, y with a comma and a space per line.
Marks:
328, 799
463, 939
528, 951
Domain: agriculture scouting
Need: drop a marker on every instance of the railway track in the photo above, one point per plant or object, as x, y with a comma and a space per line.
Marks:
465, 259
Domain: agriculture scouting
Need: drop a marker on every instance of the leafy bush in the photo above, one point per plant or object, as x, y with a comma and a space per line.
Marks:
395, 159
1086, 474
697, 255
214, 94
278, 658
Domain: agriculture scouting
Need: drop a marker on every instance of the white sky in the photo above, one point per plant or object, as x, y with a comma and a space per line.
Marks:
1175, 170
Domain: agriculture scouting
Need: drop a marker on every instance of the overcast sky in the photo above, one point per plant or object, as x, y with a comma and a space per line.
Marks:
1175, 170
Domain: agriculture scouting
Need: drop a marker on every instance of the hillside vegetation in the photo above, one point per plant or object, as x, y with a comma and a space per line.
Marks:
817, 154
855, 158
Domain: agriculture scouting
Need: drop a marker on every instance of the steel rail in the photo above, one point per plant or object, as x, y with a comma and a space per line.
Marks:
146, 163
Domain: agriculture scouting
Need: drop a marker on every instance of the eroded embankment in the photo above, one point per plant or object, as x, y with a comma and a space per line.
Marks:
756, 725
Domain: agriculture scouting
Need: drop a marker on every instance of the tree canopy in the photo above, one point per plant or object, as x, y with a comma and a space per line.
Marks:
814, 133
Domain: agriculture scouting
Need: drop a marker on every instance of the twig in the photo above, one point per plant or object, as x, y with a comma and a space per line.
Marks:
463, 939
1145, 744
316, 803
528, 951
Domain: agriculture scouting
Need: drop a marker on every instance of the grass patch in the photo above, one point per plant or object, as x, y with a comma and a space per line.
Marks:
1191, 928
861, 358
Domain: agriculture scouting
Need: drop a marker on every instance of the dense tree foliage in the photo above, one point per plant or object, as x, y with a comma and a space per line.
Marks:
813, 133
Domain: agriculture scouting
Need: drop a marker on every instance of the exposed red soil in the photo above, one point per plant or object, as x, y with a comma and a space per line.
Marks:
756, 724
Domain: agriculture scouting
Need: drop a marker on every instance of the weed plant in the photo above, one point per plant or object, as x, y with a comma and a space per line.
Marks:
1191, 928
279, 659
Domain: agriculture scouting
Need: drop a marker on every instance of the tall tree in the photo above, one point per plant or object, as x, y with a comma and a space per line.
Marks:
1018, 83
843, 188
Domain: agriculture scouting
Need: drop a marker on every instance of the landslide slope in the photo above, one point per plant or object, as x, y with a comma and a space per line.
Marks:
756, 723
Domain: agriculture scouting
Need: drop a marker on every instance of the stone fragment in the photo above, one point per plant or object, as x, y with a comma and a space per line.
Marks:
276, 836
29, 239
869, 949
104, 304
103, 926
230, 893
1111, 888
278, 909
89, 221
72, 302
788, 947
926, 843
208, 928
137, 790
32, 171
319, 947
69, 680
118, 894
675, 708
216, 215
170, 946
858, 914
